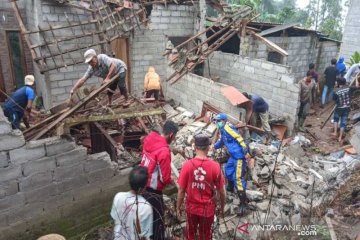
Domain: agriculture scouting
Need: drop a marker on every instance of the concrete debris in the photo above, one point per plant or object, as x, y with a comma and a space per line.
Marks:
300, 183
254, 195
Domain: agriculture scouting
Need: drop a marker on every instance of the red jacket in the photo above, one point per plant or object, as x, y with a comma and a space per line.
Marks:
156, 157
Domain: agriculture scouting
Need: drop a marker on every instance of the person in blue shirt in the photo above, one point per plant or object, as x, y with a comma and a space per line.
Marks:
235, 167
259, 108
18, 106
341, 67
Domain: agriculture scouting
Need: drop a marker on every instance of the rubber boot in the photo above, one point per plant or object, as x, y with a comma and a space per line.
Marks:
230, 186
243, 203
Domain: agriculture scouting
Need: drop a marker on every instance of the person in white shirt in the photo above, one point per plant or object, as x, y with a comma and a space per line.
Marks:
132, 214
354, 69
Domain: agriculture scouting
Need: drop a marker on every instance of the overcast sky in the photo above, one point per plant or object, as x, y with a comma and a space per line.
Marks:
302, 3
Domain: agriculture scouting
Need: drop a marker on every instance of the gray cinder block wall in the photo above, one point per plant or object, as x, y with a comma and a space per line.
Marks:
191, 91
148, 46
350, 40
302, 51
55, 85
52, 185
274, 82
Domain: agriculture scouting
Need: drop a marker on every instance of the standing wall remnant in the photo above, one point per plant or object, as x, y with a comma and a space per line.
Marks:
53, 185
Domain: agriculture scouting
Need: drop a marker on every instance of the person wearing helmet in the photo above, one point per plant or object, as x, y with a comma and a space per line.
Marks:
18, 106
105, 67
235, 167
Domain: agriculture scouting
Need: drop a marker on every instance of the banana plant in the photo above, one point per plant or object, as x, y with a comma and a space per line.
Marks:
355, 58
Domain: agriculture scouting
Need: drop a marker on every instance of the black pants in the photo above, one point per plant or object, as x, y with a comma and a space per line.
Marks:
155, 198
153, 92
120, 82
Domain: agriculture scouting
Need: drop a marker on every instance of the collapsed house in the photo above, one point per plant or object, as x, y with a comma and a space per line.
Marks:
206, 76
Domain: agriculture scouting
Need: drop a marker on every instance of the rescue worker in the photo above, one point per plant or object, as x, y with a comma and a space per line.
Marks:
306, 85
152, 84
105, 67
235, 167
156, 157
18, 106
201, 179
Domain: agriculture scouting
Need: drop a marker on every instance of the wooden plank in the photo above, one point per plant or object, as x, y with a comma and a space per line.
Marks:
277, 28
269, 43
75, 108
110, 117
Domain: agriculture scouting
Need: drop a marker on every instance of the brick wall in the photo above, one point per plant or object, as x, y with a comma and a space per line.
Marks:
350, 40
148, 46
192, 90
274, 82
52, 185
8, 21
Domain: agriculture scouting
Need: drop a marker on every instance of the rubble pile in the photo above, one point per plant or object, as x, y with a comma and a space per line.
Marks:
285, 185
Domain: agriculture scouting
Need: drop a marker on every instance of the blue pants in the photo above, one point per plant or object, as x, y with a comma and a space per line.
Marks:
235, 172
14, 118
342, 115
325, 92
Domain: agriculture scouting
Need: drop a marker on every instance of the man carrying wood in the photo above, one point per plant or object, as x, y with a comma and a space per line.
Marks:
342, 98
18, 106
105, 67
201, 179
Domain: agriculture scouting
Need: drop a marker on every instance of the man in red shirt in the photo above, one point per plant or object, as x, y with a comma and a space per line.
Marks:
200, 178
156, 157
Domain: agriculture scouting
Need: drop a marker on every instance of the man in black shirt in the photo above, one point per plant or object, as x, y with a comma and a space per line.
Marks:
330, 78
343, 100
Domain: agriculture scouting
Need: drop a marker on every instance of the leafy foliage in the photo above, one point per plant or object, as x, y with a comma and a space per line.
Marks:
355, 58
322, 15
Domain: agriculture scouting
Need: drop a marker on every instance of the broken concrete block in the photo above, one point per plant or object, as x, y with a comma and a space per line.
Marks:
39, 165
180, 109
262, 206
210, 130
27, 153
254, 195
189, 152
265, 172
170, 110
188, 114
12, 140
178, 161
35, 180
71, 157
58, 146
10, 173
199, 124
